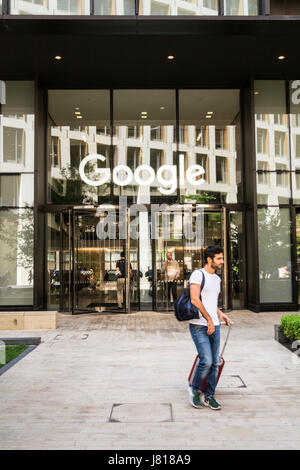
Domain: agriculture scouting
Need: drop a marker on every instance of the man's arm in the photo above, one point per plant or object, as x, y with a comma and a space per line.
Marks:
195, 299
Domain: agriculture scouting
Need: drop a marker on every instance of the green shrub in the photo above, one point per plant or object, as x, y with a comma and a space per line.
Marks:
290, 325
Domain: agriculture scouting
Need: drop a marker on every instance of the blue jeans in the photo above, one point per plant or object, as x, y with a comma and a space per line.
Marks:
208, 348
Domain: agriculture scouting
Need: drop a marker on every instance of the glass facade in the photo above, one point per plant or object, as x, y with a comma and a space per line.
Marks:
16, 192
277, 125
139, 152
134, 7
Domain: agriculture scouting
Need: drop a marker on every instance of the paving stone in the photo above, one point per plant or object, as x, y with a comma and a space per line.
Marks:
67, 387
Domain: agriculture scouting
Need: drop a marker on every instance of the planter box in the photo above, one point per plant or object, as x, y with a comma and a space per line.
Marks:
279, 335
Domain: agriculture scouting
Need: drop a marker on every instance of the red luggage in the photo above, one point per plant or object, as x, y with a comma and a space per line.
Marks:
221, 365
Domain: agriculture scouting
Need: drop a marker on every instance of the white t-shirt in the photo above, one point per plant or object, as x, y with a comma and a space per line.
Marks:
209, 295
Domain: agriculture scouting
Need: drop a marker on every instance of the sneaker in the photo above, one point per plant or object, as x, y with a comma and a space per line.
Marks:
195, 398
212, 403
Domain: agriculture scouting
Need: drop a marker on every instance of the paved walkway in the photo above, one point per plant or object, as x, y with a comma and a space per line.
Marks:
120, 382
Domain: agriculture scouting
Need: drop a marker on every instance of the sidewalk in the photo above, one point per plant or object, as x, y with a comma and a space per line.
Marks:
120, 382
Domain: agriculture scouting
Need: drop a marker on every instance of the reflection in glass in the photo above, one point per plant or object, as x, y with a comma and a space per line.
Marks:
295, 137
236, 259
178, 7
16, 257
114, 7
50, 7
16, 190
78, 125
274, 247
209, 130
144, 136
272, 143
241, 7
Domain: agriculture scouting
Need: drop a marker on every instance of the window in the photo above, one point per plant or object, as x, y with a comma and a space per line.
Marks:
280, 144
241, 7
221, 169
155, 133
155, 159
55, 152
297, 146
279, 119
134, 132
282, 176
261, 142
274, 248
14, 145
201, 135
221, 138
263, 177
78, 151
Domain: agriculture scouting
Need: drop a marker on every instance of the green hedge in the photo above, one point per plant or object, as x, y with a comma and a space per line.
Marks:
290, 325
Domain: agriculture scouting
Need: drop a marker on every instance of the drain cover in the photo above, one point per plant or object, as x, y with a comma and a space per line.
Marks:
141, 413
231, 381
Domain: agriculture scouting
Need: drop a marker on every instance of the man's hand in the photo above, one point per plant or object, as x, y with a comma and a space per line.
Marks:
224, 317
210, 327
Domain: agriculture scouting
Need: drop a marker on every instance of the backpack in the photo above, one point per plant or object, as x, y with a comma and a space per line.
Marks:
183, 308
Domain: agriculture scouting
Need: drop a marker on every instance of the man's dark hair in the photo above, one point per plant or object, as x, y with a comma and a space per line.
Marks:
122, 254
211, 251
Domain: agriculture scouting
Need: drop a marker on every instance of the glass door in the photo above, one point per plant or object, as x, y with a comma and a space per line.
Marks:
183, 236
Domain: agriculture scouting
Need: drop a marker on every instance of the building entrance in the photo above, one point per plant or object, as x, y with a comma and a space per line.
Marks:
124, 262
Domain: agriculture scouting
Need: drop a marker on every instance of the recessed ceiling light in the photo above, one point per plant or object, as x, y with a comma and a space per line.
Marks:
281, 57
171, 57
144, 117
79, 117
256, 92
144, 112
210, 112
208, 117
58, 57
77, 112
77, 109
162, 107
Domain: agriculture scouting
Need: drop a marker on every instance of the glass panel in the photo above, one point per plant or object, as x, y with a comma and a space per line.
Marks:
16, 257
272, 143
241, 7
17, 127
50, 7
78, 126
114, 7
144, 137
53, 261
210, 143
178, 7
295, 137
97, 262
236, 260
274, 247
298, 254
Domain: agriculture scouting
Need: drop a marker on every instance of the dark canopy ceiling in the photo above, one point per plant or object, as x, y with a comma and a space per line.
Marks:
112, 52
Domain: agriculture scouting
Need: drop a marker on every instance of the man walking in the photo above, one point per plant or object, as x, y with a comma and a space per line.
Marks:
205, 331
171, 271
121, 275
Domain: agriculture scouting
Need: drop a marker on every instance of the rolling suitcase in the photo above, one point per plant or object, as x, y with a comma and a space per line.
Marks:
221, 364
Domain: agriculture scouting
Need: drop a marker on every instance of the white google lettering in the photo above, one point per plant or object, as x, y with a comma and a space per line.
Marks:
166, 175
296, 94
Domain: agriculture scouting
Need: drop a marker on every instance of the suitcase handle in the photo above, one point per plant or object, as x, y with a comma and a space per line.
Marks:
228, 332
